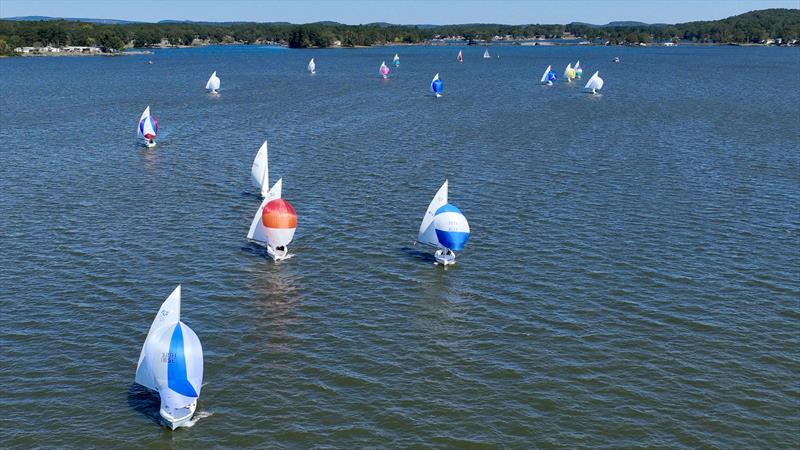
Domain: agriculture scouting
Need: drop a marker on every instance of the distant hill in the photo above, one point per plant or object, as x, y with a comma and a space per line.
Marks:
70, 19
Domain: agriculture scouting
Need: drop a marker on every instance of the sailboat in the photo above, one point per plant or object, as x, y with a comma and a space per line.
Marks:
384, 70
437, 85
548, 76
444, 227
578, 70
486, 54
460, 57
212, 84
312, 68
148, 128
595, 83
171, 363
396, 60
569, 73
274, 224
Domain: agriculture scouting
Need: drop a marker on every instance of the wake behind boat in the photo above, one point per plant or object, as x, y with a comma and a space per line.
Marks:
212, 85
171, 363
444, 227
147, 128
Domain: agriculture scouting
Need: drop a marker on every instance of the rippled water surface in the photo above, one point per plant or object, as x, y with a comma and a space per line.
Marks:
631, 278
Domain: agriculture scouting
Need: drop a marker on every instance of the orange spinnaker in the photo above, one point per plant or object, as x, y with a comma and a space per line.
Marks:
279, 214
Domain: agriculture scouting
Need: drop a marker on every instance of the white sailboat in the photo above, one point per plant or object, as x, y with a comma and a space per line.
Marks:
444, 227
486, 54
147, 128
545, 79
212, 85
396, 60
595, 83
171, 363
312, 67
274, 224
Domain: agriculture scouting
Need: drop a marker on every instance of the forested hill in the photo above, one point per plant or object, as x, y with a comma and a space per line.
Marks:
751, 27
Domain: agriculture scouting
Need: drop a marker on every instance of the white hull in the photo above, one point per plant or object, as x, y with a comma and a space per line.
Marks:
445, 259
150, 144
176, 422
278, 255
438, 95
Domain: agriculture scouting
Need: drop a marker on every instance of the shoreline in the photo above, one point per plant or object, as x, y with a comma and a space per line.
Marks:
134, 51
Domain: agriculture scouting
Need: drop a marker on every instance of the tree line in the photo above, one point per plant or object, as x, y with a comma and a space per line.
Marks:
752, 27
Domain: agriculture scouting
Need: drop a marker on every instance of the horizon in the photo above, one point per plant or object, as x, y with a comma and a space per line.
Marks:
355, 12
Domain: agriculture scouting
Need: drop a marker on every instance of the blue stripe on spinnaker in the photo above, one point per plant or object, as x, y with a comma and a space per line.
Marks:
447, 207
454, 240
176, 367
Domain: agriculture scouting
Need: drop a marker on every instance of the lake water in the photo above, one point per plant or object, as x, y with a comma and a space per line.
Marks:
632, 277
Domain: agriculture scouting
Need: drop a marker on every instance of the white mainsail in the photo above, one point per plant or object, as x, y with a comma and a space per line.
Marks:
312, 67
257, 231
486, 54
168, 314
595, 82
544, 75
427, 231
213, 82
146, 113
259, 173
566, 71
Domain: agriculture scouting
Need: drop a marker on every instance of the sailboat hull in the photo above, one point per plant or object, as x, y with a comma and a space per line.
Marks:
149, 144
177, 422
278, 255
444, 259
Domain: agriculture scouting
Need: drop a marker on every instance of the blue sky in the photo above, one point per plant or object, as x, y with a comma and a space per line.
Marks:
394, 11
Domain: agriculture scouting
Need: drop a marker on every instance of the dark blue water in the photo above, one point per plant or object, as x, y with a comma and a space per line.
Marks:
631, 278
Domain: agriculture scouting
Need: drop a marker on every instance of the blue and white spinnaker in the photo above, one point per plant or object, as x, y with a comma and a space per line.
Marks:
171, 363
437, 85
445, 227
